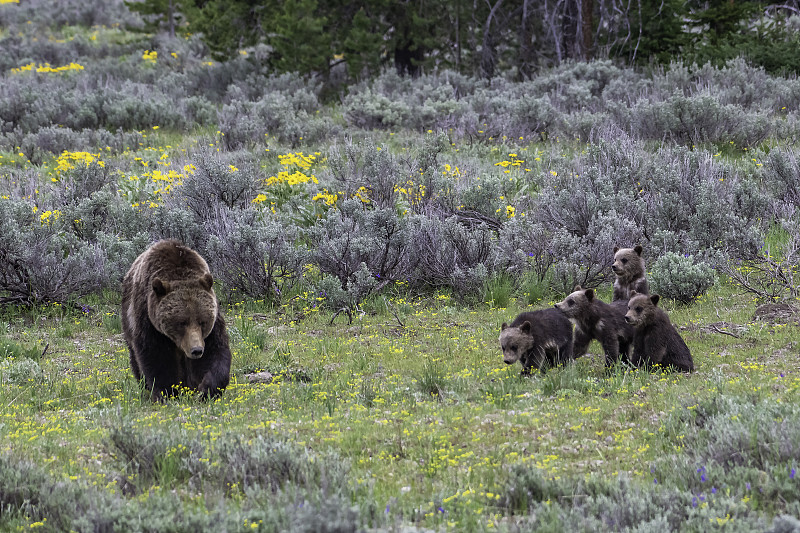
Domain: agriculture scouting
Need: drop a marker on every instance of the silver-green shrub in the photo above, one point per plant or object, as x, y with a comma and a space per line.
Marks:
41, 262
354, 239
288, 117
254, 254
454, 255
680, 277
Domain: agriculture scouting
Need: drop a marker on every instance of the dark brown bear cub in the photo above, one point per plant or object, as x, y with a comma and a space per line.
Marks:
598, 320
172, 324
656, 341
537, 339
628, 266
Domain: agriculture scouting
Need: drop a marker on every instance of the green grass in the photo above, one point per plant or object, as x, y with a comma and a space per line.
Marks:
424, 417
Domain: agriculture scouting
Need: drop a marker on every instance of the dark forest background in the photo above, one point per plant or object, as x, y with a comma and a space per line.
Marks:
343, 41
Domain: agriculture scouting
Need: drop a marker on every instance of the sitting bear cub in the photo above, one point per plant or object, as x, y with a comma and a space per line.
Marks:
656, 341
537, 339
628, 267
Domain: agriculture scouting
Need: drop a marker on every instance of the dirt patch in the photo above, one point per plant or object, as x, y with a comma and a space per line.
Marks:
776, 313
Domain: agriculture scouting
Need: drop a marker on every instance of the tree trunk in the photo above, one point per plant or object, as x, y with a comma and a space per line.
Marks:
488, 52
587, 21
171, 19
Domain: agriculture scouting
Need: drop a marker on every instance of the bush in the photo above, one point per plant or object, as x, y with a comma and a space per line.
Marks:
20, 372
227, 181
254, 254
680, 277
289, 118
364, 249
41, 263
452, 255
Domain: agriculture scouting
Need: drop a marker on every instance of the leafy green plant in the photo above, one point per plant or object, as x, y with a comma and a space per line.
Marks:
680, 277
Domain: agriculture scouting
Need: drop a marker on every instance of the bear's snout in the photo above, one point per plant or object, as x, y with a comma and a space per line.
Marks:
627, 319
193, 345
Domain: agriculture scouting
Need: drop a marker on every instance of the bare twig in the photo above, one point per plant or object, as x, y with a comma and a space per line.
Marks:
714, 328
345, 310
393, 309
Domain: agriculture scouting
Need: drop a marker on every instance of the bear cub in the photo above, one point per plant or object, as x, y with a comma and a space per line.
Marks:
656, 341
598, 320
628, 267
537, 339
172, 323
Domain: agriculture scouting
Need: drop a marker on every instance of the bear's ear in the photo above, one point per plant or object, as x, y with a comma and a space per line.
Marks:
616, 249
207, 280
638, 249
589, 294
504, 326
577, 288
655, 298
160, 287
525, 327
634, 293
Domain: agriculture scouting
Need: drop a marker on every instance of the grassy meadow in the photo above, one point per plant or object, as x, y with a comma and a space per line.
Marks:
411, 408
366, 249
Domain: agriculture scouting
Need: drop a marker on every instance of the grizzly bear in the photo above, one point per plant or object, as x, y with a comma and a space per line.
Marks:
598, 320
655, 341
172, 323
537, 339
628, 267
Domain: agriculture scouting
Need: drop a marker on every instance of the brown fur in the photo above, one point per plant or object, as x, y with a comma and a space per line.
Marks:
598, 320
656, 341
172, 324
537, 339
628, 267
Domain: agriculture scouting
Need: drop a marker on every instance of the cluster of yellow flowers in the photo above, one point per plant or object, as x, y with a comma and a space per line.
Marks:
69, 160
326, 197
48, 217
45, 68
294, 178
150, 56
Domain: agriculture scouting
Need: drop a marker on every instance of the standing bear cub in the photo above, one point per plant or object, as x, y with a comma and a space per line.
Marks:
537, 339
598, 320
628, 267
656, 341
172, 323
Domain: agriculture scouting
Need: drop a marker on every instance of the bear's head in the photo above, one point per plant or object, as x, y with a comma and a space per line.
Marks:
184, 311
576, 303
516, 343
641, 308
628, 263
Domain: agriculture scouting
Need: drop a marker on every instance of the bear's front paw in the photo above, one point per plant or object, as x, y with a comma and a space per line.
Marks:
209, 387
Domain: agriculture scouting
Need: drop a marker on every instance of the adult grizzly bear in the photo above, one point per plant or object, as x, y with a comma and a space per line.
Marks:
537, 339
598, 320
628, 267
656, 341
172, 324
